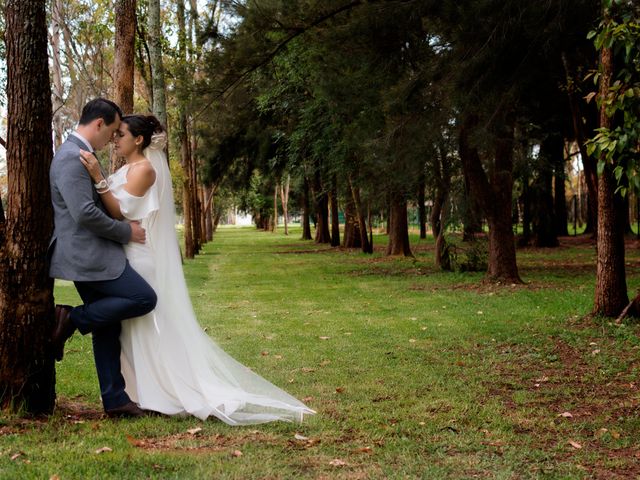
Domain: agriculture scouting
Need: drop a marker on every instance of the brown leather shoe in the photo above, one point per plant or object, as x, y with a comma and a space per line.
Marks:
129, 410
63, 329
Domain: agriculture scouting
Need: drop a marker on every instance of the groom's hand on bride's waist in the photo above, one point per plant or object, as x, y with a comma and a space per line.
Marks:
138, 234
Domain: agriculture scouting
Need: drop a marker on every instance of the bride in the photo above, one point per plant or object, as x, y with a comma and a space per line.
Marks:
169, 364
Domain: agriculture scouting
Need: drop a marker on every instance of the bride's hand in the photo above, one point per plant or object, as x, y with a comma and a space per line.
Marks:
90, 162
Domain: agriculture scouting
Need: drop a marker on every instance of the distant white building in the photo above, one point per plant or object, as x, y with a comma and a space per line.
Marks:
244, 220
235, 217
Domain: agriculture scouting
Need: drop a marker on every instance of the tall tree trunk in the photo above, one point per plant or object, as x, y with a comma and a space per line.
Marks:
187, 202
195, 203
274, 223
389, 213
306, 226
495, 199
545, 224
472, 215
589, 164
525, 199
436, 211
422, 208
284, 198
351, 238
157, 67
321, 202
442, 175
335, 221
143, 63
440, 240
203, 214
208, 212
124, 61
560, 200
365, 242
195, 185
79, 99
189, 190
27, 372
611, 284
216, 220
399, 228
56, 73
189, 248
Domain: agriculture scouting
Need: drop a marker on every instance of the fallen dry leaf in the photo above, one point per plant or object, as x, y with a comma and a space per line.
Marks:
412, 340
264, 353
297, 436
565, 415
363, 450
307, 369
193, 431
104, 449
336, 462
16, 455
54, 477
307, 399
324, 338
340, 390
236, 453
494, 443
575, 445
135, 442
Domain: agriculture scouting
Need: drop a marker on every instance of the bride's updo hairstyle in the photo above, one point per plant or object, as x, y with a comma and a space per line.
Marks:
145, 125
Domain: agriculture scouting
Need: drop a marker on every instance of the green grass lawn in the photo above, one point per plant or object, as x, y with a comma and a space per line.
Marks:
414, 373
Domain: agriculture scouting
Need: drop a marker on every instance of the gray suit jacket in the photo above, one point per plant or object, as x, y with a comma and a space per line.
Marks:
86, 244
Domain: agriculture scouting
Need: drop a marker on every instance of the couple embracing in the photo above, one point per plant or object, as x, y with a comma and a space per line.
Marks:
114, 237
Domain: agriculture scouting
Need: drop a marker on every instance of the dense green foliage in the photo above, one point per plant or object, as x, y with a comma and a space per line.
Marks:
619, 145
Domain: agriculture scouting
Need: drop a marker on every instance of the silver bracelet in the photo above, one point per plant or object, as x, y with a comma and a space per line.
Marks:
101, 185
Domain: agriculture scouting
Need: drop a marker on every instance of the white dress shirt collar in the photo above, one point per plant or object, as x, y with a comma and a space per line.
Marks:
84, 140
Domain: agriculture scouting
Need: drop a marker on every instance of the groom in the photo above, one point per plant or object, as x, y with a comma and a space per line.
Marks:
86, 248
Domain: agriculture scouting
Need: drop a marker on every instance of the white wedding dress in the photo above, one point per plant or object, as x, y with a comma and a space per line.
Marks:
169, 363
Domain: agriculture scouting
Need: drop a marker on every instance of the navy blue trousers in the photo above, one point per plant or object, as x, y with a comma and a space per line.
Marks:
106, 304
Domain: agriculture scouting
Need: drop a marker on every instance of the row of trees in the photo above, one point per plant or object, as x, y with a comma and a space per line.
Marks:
470, 105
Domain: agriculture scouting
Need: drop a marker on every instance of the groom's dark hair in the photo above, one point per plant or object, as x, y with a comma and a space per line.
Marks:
100, 108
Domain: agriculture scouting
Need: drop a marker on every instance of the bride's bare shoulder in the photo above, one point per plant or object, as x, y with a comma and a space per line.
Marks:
140, 178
